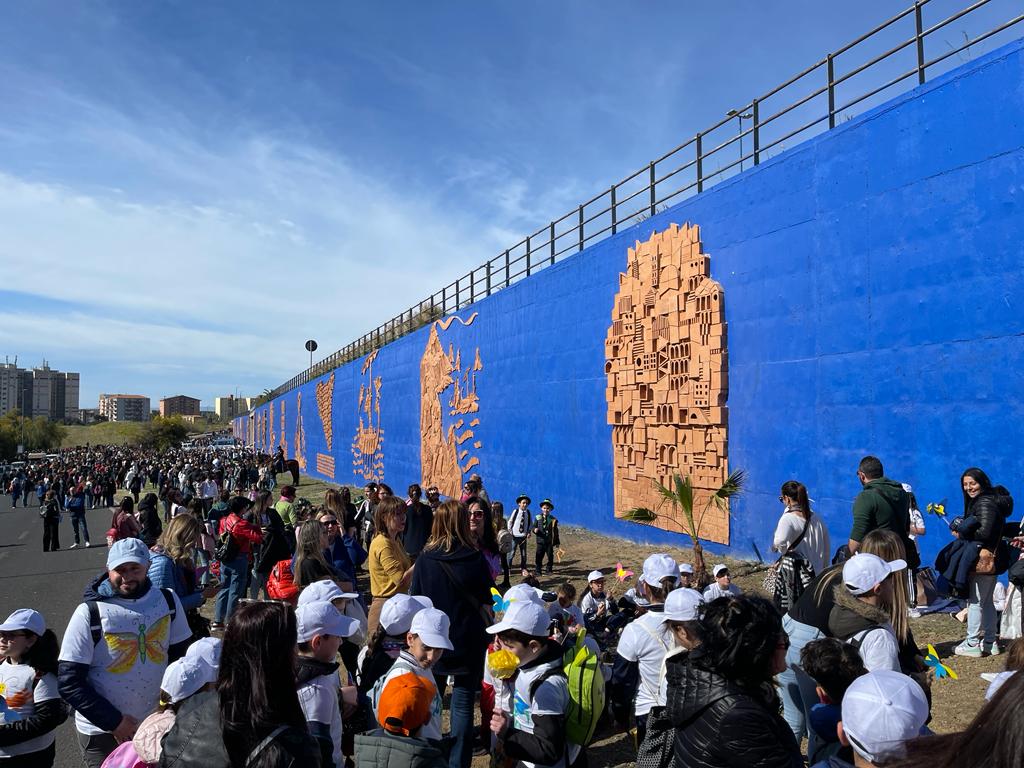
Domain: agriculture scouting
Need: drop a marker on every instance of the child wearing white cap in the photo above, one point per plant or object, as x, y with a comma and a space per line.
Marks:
597, 608
347, 604
882, 711
390, 638
722, 585
427, 640
638, 667
685, 575
320, 631
28, 686
681, 615
530, 707
858, 617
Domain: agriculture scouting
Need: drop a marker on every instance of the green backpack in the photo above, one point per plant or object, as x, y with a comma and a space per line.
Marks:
582, 669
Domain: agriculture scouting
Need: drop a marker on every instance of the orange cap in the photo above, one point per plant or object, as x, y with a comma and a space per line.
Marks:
404, 704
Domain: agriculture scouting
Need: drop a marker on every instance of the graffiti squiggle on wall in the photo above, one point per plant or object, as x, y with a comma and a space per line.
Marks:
368, 443
667, 370
443, 460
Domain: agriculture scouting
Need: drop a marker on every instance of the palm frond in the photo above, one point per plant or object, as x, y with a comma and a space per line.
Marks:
639, 515
733, 484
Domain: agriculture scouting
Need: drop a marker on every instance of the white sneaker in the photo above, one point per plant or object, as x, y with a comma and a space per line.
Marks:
87, 545
913, 613
993, 650
73, 546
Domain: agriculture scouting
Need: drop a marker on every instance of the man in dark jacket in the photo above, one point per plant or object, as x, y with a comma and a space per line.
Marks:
418, 522
882, 504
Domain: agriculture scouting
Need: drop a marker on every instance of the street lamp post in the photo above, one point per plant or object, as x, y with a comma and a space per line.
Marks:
741, 116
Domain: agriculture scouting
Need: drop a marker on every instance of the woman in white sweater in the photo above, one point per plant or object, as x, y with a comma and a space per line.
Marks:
813, 546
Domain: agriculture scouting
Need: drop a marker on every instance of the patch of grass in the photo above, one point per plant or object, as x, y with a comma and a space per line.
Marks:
120, 432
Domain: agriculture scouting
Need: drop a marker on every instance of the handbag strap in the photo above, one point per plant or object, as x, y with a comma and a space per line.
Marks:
798, 539
263, 745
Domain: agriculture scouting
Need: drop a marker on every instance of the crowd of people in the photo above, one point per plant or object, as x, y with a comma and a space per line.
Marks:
342, 633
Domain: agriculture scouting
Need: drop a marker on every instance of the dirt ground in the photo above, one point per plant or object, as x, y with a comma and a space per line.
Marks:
954, 702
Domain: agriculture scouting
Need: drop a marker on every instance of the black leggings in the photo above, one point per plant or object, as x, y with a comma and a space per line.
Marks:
545, 548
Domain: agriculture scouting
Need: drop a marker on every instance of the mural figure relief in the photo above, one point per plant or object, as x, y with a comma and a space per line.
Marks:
443, 460
368, 444
667, 370
300, 434
325, 407
284, 437
273, 435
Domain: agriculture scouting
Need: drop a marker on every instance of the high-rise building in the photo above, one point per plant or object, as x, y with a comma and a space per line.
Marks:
124, 407
229, 407
40, 391
179, 405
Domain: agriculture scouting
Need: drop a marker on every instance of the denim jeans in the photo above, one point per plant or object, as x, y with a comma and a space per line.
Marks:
796, 687
78, 519
464, 692
981, 611
234, 576
257, 582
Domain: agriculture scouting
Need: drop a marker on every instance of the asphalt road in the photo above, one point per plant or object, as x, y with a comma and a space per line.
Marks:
51, 582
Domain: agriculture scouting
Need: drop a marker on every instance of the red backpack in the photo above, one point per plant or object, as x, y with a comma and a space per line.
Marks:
281, 583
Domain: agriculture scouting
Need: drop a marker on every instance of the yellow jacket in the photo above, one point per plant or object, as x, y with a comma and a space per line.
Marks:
387, 563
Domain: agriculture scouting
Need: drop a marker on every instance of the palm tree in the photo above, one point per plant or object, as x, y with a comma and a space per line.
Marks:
680, 497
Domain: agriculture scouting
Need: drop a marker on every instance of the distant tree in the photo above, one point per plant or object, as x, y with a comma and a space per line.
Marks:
162, 433
36, 434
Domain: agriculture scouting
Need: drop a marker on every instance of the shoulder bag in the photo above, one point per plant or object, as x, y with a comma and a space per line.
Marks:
771, 582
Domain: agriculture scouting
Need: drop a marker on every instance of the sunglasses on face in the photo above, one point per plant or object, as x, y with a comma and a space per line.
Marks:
329, 522
476, 513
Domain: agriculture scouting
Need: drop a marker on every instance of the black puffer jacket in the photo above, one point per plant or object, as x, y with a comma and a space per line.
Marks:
720, 725
985, 516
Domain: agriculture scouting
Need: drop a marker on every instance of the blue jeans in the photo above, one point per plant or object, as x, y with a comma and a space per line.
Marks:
981, 611
234, 576
257, 582
462, 732
78, 519
798, 690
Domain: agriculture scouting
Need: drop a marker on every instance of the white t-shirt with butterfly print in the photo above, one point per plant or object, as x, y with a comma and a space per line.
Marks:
128, 663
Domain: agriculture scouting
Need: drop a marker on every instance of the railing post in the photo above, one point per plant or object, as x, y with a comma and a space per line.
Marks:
488, 275
457, 292
700, 163
507, 280
580, 227
529, 266
919, 22
756, 132
615, 222
650, 185
551, 239
831, 93
472, 286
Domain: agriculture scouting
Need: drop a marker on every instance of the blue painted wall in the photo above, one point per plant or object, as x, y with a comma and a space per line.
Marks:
874, 288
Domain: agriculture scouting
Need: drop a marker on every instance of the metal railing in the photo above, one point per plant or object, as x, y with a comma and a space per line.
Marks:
697, 164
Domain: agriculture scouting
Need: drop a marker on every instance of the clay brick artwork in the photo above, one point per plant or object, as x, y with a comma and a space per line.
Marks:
667, 371
325, 465
272, 443
284, 437
443, 460
325, 407
368, 443
300, 434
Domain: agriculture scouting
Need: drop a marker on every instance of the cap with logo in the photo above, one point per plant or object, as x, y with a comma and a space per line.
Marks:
864, 571
397, 614
323, 591
22, 619
528, 617
659, 567
432, 626
322, 619
881, 711
127, 551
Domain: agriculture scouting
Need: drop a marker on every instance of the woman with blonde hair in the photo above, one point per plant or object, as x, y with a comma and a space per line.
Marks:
310, 565
172, 566
453, 573
390, 566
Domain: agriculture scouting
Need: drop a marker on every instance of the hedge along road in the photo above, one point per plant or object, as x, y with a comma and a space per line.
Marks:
50, 582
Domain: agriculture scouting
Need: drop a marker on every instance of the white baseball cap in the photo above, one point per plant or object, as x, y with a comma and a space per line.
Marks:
127, 551
594, 576
881, 711
718, 569
524, 593
322, 618
529, 617
207, 650
185, 677
863, 571
323, 591
24, 618
397, 614
682, 605
997, 683
431, 626
686, 568
658, 567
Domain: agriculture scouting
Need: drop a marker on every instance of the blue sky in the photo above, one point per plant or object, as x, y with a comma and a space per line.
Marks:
190, 190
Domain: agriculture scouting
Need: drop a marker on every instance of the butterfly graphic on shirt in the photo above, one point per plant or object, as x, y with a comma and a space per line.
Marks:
520, 706
146, 646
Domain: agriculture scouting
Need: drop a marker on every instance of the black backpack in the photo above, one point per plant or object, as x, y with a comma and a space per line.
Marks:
227, 546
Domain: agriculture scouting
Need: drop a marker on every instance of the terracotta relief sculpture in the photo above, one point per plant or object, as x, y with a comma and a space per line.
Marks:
325, 407
368, 444
667, 370
300, 434
443, 461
